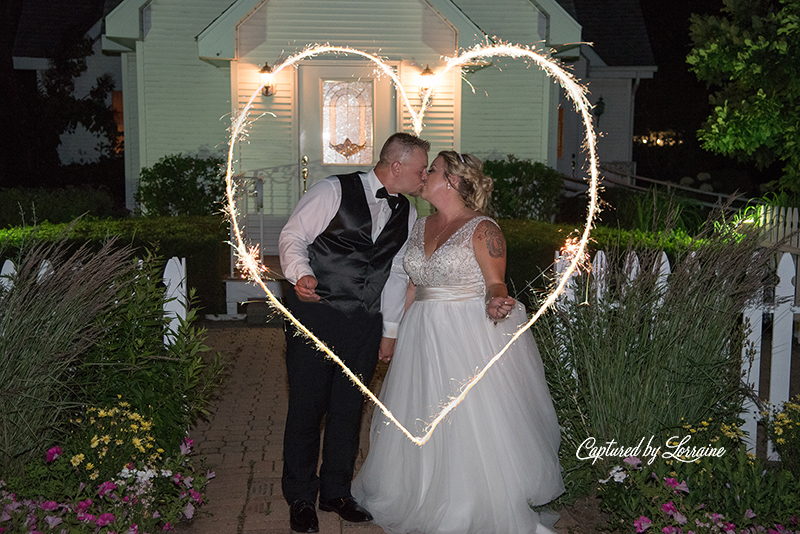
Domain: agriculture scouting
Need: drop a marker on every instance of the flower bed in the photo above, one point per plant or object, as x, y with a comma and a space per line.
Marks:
144, 497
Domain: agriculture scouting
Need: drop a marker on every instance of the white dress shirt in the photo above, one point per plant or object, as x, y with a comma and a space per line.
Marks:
311, 217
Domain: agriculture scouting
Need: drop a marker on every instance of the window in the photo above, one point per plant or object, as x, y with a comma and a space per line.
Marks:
347, 122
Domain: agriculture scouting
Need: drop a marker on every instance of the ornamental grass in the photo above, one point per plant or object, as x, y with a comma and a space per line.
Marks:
48, 313
653, 354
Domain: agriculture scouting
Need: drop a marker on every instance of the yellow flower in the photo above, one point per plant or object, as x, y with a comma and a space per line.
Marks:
704, 423
780, 441
160, 449
135, 427
146, 425
95, 441
124, 405
94, 475
89, 466
118, 441
778, 430
106, 439
77, 459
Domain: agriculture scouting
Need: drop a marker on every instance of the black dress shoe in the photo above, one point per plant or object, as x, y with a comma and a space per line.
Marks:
347, 508
303, 517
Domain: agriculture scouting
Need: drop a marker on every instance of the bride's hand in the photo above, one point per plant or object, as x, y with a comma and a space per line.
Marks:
500, 307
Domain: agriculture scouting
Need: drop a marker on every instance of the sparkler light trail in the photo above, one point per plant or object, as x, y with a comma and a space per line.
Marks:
248, 262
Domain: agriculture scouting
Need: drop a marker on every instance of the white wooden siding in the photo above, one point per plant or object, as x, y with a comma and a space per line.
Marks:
509, 112
186, 99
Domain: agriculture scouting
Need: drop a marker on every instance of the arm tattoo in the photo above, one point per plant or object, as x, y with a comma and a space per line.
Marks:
495, 243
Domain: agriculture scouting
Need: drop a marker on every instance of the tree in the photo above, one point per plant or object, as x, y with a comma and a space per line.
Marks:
751, 55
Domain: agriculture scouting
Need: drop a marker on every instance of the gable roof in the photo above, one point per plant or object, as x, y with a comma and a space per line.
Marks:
617, 29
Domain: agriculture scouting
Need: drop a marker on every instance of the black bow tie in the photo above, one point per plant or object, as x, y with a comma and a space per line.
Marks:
393, 201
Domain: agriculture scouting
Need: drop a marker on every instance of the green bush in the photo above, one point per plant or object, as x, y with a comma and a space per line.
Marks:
201, 240
169, 384
181, 185
523, 189
19, 206
653, 210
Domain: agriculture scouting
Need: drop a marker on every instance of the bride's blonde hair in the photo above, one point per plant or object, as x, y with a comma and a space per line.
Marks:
474, 187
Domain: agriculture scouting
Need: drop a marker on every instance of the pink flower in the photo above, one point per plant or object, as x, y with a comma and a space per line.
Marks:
186, 446
104, 520
188, 511
679, 518
196, 496
682, 487
106, 487
642, 524
633, 461
168, 526
54, 453
177, 478
49, 505
669, 509
82, 506
210, 475
52, 521
716, 517
671, 530
134, 529
187, 481
86, 518
749, 514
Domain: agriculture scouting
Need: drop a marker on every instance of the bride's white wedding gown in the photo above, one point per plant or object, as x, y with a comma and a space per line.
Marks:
498, 450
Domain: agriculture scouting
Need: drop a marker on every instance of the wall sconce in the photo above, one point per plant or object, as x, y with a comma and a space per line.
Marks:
427, 83
268, 88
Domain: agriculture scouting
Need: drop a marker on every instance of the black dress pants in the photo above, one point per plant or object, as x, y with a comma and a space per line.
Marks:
318, 387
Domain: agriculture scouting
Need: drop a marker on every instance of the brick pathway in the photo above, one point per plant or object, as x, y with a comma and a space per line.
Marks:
243, 441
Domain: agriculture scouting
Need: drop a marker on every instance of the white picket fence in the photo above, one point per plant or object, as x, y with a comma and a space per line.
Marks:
783, 311
174, 280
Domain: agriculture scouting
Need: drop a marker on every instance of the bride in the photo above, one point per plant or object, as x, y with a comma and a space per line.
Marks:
497, 452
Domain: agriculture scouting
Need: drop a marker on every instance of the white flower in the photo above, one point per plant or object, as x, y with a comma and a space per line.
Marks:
616, 473
125, 473
166, 473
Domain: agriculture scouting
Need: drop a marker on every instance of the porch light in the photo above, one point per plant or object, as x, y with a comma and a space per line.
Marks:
266, 80
427, 82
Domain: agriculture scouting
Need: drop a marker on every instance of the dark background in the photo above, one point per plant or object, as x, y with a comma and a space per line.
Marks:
672, 100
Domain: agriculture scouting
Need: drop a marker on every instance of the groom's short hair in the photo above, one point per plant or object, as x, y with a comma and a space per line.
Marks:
399, 144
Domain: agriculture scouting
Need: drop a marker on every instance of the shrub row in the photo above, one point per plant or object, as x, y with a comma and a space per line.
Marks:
201, 240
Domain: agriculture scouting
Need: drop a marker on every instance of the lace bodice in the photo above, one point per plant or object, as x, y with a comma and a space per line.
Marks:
453, 264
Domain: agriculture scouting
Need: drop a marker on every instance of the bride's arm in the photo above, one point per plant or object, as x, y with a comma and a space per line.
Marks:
411, 294
490, 251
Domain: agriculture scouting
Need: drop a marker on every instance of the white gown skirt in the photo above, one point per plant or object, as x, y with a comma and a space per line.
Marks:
487, 461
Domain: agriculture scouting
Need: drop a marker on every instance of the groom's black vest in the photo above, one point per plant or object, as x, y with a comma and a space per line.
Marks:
351, 270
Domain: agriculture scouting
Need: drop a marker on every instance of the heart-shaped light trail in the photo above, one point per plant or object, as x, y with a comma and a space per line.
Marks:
249, 264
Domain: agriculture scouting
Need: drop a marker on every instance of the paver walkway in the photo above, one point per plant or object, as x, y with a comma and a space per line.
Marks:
243, 441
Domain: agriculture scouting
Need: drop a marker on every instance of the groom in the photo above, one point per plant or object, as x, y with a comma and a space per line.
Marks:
342, 248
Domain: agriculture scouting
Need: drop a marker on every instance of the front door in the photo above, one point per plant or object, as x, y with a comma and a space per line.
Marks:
346, 112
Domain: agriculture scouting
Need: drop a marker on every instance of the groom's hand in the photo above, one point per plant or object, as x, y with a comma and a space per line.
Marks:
306, 289
386, 349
